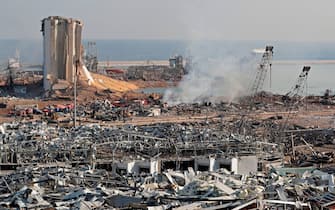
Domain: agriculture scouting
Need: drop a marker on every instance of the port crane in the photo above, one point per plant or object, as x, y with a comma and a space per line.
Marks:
263, 67
299, 87
294, 96
91, 57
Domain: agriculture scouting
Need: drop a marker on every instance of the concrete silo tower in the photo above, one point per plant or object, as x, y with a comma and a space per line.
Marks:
61, 49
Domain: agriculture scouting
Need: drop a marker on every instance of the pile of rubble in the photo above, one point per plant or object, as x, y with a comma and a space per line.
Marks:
154, 73
37, 141
64, 187
194, 165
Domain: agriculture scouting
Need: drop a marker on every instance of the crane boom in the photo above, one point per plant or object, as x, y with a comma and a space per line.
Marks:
263, 67
293, 96
299, 86
262, 70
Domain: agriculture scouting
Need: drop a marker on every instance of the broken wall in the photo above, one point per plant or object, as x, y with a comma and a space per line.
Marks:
244, 165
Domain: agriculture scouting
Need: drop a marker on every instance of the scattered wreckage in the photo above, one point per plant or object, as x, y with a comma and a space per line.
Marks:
60, 186
160, 166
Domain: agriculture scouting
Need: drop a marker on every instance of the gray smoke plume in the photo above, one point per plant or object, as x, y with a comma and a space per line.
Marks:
214, 78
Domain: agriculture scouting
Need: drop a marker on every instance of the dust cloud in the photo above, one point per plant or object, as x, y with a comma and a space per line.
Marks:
214, 78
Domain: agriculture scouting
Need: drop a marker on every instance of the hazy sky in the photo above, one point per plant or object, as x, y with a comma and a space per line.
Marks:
306, 20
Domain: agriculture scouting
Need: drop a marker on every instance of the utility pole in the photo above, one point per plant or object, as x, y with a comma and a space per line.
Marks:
75, 95
270, 78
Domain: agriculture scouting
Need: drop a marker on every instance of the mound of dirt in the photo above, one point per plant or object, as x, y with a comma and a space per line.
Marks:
102, 82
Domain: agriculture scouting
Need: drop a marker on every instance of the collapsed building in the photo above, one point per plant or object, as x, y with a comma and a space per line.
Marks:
154, 73
172, 70
17, 78
159, 166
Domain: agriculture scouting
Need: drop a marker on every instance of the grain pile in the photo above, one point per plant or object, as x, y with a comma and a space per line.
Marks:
102, 82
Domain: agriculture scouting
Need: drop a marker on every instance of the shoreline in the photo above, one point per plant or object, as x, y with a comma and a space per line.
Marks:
127, 63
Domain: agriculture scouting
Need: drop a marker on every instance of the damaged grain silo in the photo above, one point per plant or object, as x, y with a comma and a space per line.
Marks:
61, 49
